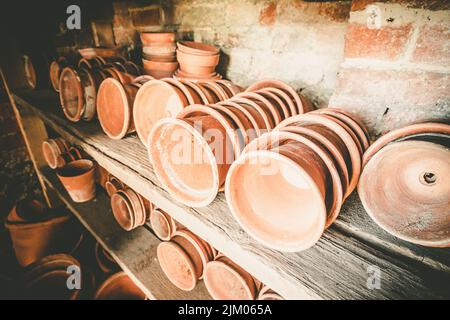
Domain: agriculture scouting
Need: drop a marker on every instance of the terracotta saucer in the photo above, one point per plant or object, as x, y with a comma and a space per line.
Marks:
264, 113
177, 265
71, 94
218, 90
426, 127
404, 189
182, 88
197, 89
274, 99
262, 101
232, 88
252, 118
160, 224
285, 98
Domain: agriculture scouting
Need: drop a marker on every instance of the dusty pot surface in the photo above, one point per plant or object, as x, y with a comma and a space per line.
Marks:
225, 280
177, 265
78, 177
404, 189
119, 287
115, 108
155, 100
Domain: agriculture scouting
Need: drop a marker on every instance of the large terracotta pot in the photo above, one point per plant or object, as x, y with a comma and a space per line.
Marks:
197, 60
197, 48
78, 177
119, 287
225, 280
158, 37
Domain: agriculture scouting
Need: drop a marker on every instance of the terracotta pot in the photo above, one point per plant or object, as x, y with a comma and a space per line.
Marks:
425, 127
160, 66
123, 210
180, 75
233, 88
161, 224
47, 279
195, 70
159, 58
67, 157
115, 108
113, 185
105, 262
196, 92
264, 113
197, 48
78, 177
276, 101
404, 189
51, 150
344, 135
264, 103
195, 176
302, 104
71, 93
55, 71
40, 234
225, 280
102, 176
197, 60
160, 50
155, 100
158, 37
252, 115
177, 265
99, 52
132, 68
119, 287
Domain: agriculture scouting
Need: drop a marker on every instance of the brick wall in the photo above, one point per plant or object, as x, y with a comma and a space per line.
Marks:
397, 63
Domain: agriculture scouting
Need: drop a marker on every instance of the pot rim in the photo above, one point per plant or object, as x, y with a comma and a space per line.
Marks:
162, 214
273, 110
267, 121
126, 225
80, 93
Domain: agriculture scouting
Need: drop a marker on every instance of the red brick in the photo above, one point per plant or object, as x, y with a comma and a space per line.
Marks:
433, 45
386, 43
409, 88
268, 14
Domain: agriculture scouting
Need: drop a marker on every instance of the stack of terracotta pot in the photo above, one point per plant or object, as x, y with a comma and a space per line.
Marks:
129, 208
288, 185
119, 286
197, 60
58, 152
158, 54
225, 280
48, 277
37, 231
404, 184
184, 258
115, 101
191, 154
157, 99
78, 86
163, 225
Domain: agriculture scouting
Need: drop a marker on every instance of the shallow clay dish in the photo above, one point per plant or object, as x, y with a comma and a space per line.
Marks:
426, 127
404, 189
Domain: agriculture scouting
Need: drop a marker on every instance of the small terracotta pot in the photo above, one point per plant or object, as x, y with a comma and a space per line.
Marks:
78, 177
404, 189
161, 224
197, 48
55, 71
113, 185
102, 176
71, 93
197, 60
155, 100
158, 37
225, 280
105, 262
119, 287
159, 58
180, 75
52, 149
69, 156
129, 209
177, 265
115, 108
160, 49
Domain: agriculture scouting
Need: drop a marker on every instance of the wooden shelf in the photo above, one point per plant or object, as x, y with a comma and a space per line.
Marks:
337, 267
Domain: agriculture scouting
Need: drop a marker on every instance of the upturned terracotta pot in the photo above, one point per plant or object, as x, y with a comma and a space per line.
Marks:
186, 59
115, 108
55, 71
36, 232
47, 279
177, 265
119, 286
52, 149
197, 48
302, 104
105, 262
404, 189
158, 37
155, 100
225, 280
78, 177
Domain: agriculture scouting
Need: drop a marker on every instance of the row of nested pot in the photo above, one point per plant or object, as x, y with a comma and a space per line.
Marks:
78, 86
404, 186
123, 108
185, 259
191, 154
158, 54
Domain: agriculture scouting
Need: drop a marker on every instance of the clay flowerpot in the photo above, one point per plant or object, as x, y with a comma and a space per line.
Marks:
197, 60
159, 69
161, 224
52, 149
225, 280
158, 37
155, 100
105, 262
177, 265
78, 177
302, 104
36, 232
191, 156
47, 279
113, 185
55, 71
71, 93
129, 209
115, 108
119, 287
197, 48
181, 75
404, 189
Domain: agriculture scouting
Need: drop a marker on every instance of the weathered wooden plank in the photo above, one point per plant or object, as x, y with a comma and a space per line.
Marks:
337, 267
134, 251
